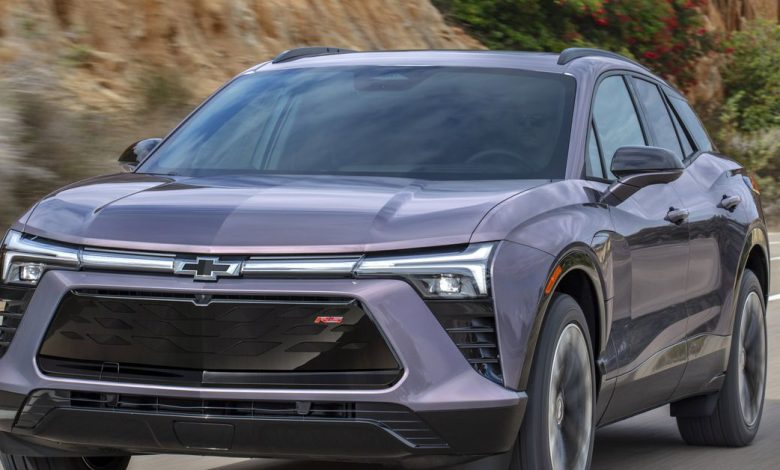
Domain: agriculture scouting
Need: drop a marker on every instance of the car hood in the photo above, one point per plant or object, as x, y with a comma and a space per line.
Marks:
267, 214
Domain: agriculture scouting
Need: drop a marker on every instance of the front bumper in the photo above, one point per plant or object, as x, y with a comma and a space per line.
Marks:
461, 412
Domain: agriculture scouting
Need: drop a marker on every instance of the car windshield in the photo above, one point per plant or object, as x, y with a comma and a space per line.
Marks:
407, 121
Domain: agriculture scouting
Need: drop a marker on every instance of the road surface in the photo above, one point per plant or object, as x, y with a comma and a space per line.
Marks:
648, 441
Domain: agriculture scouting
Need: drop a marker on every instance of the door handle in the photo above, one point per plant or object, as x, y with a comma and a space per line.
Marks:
729, 202
677, 216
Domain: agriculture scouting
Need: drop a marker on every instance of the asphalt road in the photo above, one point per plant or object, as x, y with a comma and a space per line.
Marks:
647, 441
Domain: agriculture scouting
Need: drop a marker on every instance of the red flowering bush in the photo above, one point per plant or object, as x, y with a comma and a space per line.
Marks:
666, 35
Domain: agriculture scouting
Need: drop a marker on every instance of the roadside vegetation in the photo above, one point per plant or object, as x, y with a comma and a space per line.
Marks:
748, 121
45, 144
666, 35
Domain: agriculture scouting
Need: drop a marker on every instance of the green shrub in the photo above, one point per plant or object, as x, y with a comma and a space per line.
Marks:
751, 78
749, 119
77, 55
163, 89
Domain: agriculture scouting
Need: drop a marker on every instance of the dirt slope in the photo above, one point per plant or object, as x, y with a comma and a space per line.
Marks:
99, 50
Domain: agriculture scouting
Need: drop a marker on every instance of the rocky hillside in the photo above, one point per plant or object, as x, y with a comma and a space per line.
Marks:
99, 51
730, 15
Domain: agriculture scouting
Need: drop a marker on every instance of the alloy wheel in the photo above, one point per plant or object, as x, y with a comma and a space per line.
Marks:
752, 358
570, 415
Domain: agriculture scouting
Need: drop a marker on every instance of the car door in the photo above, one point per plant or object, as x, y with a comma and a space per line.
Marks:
713, 198
649, 315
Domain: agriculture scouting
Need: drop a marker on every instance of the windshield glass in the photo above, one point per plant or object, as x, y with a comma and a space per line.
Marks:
411, 121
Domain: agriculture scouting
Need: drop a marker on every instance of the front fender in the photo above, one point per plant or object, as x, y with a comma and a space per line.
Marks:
520, 279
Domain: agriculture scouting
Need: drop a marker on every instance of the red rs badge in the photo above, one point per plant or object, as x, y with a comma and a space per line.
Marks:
329, 320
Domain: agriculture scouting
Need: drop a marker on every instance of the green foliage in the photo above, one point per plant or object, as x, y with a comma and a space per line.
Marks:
30, 28
749, 120
751, 78
164, 89
77, 55
665, 35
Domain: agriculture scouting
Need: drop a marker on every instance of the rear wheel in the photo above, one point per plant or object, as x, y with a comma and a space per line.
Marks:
16, 462
558, 428
741, 400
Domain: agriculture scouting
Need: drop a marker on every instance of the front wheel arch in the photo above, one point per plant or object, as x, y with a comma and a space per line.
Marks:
580, 264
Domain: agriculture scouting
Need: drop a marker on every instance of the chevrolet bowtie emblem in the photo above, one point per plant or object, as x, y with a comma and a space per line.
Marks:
207, 269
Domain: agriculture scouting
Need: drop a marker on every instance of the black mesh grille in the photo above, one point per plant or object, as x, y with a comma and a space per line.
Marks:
13, 302
396, 419
472, 326
209, 339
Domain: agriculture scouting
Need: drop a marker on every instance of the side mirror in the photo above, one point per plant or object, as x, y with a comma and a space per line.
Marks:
135, 154
637, 167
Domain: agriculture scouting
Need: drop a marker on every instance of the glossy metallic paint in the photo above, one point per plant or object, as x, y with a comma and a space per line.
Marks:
665, 292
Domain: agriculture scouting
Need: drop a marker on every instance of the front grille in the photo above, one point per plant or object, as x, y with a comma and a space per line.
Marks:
472, 326
214, 339
13, 303
394, 418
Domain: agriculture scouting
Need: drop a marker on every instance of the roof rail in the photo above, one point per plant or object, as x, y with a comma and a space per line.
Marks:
574, 53
292, 54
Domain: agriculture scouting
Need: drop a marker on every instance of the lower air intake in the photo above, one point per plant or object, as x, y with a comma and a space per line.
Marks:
13, 302
395, 418
472, 326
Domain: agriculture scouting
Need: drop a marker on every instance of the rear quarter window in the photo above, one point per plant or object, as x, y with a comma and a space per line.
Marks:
658, 118
692, 123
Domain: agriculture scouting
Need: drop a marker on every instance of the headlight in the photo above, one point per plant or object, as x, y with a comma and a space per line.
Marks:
455, 275
25, 259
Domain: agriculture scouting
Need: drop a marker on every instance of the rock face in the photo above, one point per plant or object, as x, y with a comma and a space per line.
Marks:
731, 15
726, 16
101, 49
93, 54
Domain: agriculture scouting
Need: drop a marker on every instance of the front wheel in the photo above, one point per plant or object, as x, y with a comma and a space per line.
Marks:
558, 428
17, 462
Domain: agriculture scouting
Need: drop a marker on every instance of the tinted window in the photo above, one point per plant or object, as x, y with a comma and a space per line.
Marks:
658, 119
420, 122
692, 123
684, 138
615, 118
593, 158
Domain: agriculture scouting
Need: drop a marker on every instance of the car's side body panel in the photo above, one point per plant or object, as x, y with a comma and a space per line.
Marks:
717, 235
649, 315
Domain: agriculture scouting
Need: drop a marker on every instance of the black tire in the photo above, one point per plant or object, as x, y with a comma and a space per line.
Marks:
730, 425
533, 449
17, 462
